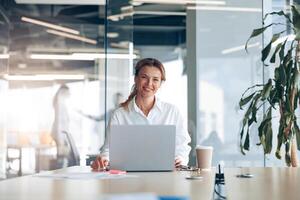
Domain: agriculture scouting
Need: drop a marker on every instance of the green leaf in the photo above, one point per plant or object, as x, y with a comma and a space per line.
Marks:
280, 138
253, 116
247, 142
288, 159
281, 52
244, 101
269, 137
296, 20
273, 100
297, 34
296, 99
288, 72
254, 109
273, 58
255, 33
287, 154
266, 90
282, 75
287, 57
265, 132
278, 154
241, 144
265, 52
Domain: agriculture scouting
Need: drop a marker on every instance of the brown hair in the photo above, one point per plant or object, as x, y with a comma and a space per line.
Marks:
151, 62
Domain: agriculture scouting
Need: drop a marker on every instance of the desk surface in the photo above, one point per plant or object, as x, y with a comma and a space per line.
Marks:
160, 183
267, 183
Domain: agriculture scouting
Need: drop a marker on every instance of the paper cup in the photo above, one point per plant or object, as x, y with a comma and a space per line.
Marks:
204, 156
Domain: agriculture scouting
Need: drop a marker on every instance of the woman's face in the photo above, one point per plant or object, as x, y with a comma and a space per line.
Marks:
148, 81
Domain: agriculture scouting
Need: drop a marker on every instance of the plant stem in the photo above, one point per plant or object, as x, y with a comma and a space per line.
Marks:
294, 157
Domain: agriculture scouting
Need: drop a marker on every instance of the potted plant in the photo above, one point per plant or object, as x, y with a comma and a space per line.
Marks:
280, 93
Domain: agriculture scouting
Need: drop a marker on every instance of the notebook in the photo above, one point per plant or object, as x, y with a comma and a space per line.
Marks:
142, 147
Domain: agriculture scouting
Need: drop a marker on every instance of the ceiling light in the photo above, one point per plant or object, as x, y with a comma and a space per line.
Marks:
144, 12
81, 56
181, 2
49, 25
75, 37
22, 66
239, 48
112, 35
233, 9
44, 77
136, 3
120, 16
159, 13
126, 8
4, 56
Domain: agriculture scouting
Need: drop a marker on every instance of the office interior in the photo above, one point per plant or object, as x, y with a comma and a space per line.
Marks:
65, 65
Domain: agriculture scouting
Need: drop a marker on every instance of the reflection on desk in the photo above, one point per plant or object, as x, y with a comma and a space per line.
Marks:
159, 183
266, 183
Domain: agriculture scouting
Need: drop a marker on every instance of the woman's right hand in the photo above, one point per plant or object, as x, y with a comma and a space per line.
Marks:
100, 163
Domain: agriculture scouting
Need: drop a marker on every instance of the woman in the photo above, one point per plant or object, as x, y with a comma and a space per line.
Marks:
60, 124
142, 107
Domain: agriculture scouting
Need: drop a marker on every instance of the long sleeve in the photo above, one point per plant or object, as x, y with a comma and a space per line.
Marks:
182, 140
105, 149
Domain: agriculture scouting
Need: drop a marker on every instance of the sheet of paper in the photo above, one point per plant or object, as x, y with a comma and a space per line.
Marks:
84, 175
132, 196
143, 196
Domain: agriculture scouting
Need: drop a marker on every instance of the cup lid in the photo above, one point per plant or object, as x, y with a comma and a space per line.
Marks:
203, 147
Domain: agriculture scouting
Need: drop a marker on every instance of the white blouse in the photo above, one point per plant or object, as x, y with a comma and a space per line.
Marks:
161, 113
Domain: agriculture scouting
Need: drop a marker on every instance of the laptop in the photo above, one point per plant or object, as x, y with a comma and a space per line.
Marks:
142, 147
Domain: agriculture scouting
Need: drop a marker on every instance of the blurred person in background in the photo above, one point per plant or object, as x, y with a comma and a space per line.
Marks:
61, 124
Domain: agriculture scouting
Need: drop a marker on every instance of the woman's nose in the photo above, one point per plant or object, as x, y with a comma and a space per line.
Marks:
149, 82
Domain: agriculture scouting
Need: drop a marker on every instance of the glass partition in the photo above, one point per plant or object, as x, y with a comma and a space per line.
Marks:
65, 67
120, 53
4, 60
225, 71
55, 84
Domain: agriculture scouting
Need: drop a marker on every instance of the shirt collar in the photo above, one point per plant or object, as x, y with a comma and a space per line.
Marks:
157, 105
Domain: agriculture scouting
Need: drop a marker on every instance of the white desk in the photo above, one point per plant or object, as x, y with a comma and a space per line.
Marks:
160, 183
267, 183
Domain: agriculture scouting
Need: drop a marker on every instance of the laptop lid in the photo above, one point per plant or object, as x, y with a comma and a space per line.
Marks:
142, 147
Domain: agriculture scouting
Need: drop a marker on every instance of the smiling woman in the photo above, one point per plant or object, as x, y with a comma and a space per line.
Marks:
149, 74
143, 108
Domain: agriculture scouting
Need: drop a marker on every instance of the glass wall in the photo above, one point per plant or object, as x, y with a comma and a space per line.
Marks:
55, 84
64, 68
120, 53
4, 57
277, 6
225, 71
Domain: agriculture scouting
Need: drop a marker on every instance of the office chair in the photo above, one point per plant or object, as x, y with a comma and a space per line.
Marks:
74, 158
